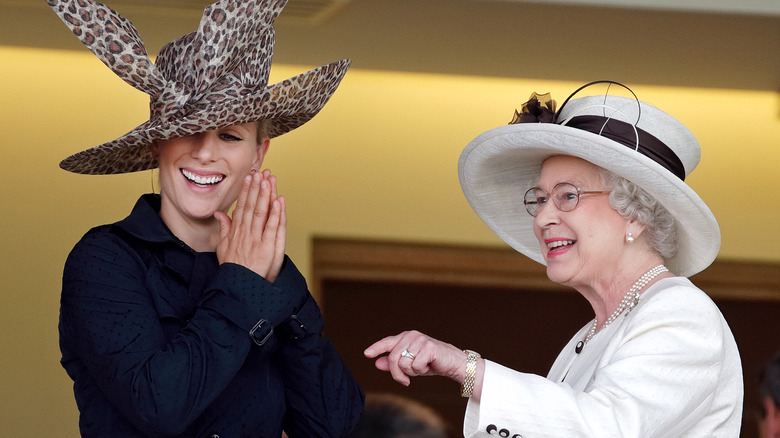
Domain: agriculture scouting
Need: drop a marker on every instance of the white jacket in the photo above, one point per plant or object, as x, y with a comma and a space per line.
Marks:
669, 368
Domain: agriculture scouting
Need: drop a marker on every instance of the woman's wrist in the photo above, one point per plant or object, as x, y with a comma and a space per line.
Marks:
470, 374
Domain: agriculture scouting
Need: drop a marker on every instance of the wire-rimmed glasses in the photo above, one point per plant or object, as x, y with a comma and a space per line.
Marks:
565, 196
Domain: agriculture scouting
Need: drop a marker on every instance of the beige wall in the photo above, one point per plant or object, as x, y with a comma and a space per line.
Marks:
378, 162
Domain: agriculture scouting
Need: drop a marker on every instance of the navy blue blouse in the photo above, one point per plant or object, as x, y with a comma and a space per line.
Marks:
161, 340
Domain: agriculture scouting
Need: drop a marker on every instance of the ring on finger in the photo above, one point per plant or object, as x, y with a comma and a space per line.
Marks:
407, 354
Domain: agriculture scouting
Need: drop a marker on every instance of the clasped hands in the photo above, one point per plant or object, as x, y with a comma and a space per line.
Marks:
256, 235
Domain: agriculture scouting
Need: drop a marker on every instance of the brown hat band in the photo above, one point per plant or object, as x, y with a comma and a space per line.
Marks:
624, 133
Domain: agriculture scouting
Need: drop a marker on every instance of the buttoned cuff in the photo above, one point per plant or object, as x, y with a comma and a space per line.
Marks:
250, 301
306, 321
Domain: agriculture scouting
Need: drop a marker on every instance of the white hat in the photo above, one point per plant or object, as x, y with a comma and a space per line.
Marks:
627, 137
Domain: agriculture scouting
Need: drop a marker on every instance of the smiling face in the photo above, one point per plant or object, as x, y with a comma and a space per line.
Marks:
577, 245
203, 173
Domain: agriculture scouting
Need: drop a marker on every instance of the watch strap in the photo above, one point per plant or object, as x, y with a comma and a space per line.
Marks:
471, 372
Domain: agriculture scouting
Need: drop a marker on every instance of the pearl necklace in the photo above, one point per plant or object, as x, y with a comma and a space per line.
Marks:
629, 301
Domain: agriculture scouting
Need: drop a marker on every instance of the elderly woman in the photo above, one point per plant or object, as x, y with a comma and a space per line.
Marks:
609, 214
180, 320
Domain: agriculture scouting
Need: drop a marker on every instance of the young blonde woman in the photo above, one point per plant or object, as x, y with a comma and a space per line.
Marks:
181, 320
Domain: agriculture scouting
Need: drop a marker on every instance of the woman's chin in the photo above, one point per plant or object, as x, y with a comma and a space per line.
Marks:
557, 274
202, 207
202, 212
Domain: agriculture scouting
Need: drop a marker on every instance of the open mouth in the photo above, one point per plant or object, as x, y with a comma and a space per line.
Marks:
558, 244
202, 181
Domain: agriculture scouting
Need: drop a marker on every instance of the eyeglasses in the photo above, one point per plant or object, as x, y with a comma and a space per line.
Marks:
565, 196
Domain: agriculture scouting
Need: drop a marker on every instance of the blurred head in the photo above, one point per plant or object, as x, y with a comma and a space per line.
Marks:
391, 416
770, 399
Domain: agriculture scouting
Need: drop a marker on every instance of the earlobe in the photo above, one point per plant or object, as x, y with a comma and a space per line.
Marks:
633, 230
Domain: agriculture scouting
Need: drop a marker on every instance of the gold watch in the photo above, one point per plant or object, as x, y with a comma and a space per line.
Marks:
471, 372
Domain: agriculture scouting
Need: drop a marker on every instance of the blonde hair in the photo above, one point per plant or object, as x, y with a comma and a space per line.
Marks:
263, 129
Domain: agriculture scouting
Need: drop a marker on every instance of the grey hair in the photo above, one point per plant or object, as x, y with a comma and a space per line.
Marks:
633, 203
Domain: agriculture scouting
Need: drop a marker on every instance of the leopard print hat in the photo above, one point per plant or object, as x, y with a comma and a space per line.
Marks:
209, 79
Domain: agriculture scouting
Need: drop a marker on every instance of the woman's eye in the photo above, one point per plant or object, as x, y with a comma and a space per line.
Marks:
567, 196
229, 137
541, 200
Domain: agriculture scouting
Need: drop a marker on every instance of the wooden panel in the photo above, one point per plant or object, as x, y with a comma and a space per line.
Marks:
425, 263
503, 267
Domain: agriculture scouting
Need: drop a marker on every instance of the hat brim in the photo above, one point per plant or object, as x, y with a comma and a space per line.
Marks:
287, 105
497, 167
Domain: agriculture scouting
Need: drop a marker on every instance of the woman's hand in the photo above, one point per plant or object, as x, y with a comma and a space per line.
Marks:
431, 357
256, 236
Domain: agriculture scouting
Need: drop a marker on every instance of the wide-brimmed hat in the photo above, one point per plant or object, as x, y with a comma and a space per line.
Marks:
209, 79
632, 139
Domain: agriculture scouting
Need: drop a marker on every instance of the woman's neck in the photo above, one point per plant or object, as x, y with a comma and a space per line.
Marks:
202, 235
606, 294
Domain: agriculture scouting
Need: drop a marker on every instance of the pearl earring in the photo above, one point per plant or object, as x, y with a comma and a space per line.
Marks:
630, 238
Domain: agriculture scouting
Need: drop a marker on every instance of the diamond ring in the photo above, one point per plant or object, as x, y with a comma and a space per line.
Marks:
406, 353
